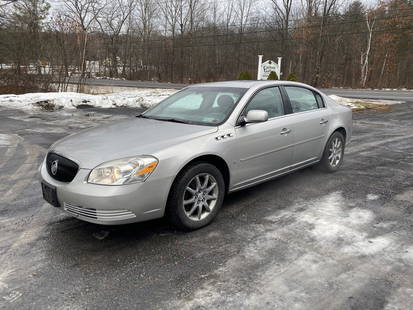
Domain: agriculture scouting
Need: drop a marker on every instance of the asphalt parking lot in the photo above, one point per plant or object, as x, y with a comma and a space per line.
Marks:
308, 240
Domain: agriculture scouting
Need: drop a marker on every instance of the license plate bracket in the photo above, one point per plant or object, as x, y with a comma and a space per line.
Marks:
50, 194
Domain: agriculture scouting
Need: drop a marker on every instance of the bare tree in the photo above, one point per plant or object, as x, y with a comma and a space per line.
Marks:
61, 56
242, 16
84, 14
327, 7
112, 21
145, 24
204, 40
364, 61
282, 12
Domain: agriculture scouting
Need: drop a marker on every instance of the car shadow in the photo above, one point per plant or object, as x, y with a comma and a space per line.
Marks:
73, 244
136, 232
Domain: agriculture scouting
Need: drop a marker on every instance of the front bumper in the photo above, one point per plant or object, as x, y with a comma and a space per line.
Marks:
111, 205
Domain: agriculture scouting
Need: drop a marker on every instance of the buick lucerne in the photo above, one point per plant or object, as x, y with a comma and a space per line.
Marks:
182, 156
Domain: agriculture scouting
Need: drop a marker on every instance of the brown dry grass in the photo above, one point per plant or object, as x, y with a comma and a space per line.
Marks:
372, 106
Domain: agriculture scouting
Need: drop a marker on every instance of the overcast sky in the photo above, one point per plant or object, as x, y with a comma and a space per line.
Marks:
58, 3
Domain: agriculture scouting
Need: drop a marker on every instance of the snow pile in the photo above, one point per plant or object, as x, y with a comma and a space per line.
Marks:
357, 104
142, 98
109, 78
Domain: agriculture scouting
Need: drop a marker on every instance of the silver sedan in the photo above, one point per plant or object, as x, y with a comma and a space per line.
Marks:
181, 157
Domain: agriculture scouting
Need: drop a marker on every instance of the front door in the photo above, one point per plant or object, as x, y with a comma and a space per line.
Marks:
262, 150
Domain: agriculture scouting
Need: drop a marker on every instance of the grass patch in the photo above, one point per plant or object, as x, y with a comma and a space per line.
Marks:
47, 106
362, 106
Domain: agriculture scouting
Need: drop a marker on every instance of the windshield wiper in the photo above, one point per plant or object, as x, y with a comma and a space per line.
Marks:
166, 119
141, 115
171, 119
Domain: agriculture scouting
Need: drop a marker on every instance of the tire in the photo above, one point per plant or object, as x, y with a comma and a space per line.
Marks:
333, 154
186, 214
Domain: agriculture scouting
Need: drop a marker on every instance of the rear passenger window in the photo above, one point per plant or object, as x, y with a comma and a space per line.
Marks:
301, 99
319, 100
268, 99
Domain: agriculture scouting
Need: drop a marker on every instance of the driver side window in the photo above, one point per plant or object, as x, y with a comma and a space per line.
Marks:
268, 99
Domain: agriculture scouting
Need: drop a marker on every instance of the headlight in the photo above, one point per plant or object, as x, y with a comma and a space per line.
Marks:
123, 171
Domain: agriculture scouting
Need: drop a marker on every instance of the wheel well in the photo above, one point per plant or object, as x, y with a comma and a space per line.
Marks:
342, 131
214, 160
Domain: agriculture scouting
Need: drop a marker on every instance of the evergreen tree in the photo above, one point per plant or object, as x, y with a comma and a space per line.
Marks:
292, 77
245, 75
272, 76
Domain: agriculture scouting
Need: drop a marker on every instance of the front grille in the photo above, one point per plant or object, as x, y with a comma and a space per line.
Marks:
101, 215
64, 169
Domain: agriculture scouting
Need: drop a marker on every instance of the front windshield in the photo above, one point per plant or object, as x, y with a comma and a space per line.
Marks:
198, 105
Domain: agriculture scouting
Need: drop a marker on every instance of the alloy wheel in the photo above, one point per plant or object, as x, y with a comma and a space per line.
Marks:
200, 196
335, 152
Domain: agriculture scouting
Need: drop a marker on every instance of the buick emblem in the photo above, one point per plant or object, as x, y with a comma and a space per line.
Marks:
53, 167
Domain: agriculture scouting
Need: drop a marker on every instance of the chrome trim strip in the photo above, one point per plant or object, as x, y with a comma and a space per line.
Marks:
273, 174
281, 116
151, 211
102, 215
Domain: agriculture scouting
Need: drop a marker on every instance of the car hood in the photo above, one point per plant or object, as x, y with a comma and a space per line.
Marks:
132, 137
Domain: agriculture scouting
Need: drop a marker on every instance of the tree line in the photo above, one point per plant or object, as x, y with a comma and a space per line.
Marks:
322, 42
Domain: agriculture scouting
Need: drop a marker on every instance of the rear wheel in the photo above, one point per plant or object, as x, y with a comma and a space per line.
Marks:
333, 153
196, 196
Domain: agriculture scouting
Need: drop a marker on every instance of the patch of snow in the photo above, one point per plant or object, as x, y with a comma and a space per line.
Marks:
356, 103
311, 255
408, 255
3, 276
312, 244
5, 140
369, 246
109, 78
372, 197
142, 98
405, 196
46, 130
13, 296
400, 299
331, 221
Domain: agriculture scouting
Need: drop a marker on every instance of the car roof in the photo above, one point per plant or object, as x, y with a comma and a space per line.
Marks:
247, 84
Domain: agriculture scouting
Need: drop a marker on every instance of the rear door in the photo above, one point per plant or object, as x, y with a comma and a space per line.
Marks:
262, 149
308, 122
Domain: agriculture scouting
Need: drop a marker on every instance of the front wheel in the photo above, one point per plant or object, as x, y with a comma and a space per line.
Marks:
333, 153
196, 196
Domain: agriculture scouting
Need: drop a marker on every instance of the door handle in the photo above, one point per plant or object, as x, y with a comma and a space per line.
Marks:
323, 121
285, 131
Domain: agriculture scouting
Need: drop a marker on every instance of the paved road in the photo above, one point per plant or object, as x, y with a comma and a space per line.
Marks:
133, 84
403, 95
308, 240
399, 95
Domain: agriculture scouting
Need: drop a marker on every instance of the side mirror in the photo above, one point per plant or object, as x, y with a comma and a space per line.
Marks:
255, 116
